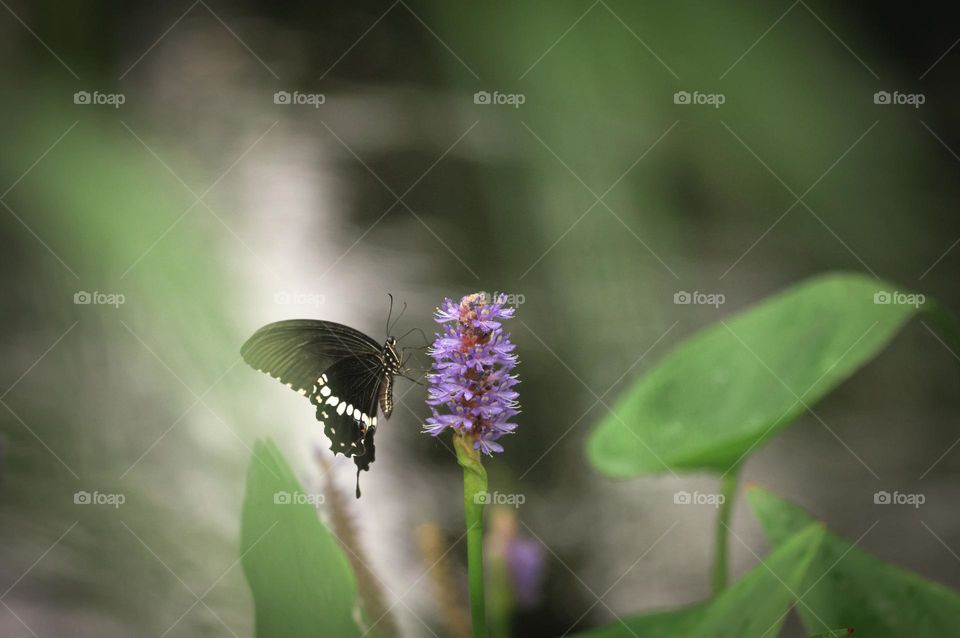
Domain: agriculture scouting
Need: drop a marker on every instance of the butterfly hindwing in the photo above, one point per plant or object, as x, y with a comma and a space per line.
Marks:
345, 396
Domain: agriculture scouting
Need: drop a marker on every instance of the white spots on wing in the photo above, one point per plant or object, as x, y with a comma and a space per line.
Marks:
301, 391
325, 415
341, 407
325, 391
334, 401
373, 421
333, 430
323, 378
356, 414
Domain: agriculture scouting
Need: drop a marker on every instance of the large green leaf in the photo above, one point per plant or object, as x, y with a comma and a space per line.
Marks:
755, 606
736, 383
301, 580
851, 588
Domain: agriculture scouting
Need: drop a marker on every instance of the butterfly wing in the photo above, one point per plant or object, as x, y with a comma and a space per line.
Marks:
345, 397
298, 351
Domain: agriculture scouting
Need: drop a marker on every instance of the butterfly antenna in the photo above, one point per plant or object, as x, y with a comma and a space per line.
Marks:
397, 320
389, 313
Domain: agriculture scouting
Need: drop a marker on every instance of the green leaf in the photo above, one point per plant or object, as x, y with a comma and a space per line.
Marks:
850, 587
755, 606
738, 382
301, 580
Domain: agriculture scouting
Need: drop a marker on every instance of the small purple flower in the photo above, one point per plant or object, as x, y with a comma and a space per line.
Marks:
522, 557
526, 563
471, 377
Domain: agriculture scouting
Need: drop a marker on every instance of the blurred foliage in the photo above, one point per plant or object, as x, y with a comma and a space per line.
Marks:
719, 395
104, 410
755, 606
846, 585
301, 579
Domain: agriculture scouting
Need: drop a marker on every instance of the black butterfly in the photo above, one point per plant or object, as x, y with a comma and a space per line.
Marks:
345, 374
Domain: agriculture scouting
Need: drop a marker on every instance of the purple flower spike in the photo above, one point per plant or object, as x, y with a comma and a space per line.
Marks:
471, 380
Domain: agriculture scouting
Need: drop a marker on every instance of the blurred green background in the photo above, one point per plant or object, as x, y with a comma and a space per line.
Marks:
212, 207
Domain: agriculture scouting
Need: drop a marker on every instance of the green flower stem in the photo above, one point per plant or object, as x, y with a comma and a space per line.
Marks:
474, 484
728, 487
501, 595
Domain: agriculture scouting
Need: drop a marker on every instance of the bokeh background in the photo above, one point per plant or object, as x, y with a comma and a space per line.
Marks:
212, 209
